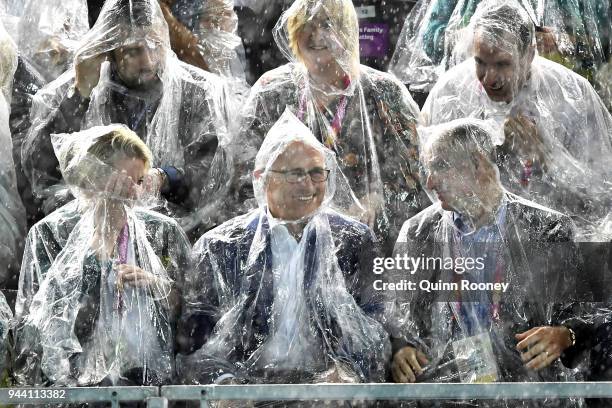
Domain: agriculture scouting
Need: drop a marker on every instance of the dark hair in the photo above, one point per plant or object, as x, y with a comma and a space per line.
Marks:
136, 13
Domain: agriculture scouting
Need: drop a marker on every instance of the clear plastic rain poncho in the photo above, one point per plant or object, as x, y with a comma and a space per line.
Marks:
6, 316
100, 281
177, 109
554, 134
49, 32
10, 14
603, 83
264, 307
214, 23
365, 116
486, 265
573, 33
12, 214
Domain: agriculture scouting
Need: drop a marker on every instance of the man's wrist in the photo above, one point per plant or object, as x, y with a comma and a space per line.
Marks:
572, 337
569, 337
226, 379
163, 179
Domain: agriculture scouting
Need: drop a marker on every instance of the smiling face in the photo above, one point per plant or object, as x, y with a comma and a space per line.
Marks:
501, 72
292, 201
317, 43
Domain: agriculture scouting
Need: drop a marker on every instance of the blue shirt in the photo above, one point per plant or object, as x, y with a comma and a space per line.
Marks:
474, 312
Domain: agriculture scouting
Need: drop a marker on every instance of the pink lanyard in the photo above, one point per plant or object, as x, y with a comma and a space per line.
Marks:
122, 244
526, 173
498, 278
122, 247
336, 125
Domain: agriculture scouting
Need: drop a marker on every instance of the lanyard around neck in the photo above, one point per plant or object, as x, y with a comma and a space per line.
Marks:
336, 124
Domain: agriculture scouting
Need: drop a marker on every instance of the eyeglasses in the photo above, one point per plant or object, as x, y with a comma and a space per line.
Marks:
317, 175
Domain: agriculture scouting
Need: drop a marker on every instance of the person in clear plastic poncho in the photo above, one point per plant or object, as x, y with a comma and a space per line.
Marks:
125, 72
573, 33
12, 214
6, 317
10, 14
282, 293
478, 232
554, 133
100, 281
26, 83
365, 116
49, 32
204, 34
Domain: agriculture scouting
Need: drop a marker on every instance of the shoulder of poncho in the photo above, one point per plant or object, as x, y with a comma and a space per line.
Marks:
548, 68
526, 208
381, 84
230, 230
283, 76
190, 74
551, 74
456, 78
58, 87
342, 222
378, 78
421, 223
155, 218
64, 214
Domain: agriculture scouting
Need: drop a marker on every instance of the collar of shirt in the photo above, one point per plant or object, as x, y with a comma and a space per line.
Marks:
284, 246
486, 232
289, 346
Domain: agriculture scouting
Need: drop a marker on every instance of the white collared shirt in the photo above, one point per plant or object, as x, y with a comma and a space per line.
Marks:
292, 344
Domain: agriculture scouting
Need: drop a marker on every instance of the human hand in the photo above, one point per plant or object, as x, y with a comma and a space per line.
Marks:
540, 346
337, 374
522, 137
153, 182
110, 209
134, 276
88, 74
406, 363
121, 186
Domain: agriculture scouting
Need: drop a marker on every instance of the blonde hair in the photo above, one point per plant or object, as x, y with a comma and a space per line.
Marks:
124, 141
342, 16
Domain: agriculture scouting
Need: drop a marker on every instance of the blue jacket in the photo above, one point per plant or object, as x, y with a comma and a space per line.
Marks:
221, 280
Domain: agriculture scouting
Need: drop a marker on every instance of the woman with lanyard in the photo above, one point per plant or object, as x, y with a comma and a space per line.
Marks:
365, 116
99, 284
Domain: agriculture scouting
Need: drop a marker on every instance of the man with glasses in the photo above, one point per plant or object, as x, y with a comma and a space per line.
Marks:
283, 293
